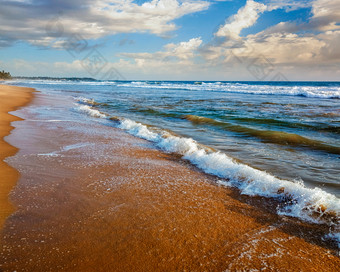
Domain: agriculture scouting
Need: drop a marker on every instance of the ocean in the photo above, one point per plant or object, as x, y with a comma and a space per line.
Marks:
272, 139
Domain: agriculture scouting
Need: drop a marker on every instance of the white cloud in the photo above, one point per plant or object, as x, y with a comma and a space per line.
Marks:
288, 5
245, 17
39, 22
326, 8
286, 48
290, 51
307, 50
175, 61
285, 44
326, 15
182, 54
20, 67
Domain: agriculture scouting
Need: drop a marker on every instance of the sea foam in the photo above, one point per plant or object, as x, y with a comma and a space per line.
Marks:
326, 92
313, 205
90, 111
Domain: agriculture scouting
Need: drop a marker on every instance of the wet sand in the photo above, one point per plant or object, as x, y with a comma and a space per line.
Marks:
93, 198
11, 98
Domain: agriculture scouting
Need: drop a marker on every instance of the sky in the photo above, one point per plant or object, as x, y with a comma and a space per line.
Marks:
262, 40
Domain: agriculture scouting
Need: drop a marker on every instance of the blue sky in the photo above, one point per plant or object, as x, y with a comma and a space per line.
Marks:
171, 39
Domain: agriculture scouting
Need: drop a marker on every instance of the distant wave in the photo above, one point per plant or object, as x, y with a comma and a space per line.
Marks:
61, 81
314, 90
313, 205
330, 92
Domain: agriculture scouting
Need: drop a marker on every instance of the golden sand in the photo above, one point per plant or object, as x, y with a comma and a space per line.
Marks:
11, 98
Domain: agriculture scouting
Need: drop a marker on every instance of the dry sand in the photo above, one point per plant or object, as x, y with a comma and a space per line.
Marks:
11, 98
115, 204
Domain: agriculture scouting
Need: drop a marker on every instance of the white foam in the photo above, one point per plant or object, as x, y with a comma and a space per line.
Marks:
138, 130
228, 87
51, 154
90, 111
75, 146
307, 91
250, 181
305, 203
64, 149
84, 100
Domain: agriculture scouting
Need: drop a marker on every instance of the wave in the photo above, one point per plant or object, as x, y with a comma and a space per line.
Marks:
310, 90
61, 81
313, 205
246, 120
154, 112
275, 122
327, 92
270, 136
89, 102
91, 111
334, 114
277, 137
270, 121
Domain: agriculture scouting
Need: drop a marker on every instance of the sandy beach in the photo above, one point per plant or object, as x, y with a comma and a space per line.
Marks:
93, 198
11, 98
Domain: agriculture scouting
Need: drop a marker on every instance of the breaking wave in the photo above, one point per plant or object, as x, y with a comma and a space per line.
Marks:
330, 92
313, 205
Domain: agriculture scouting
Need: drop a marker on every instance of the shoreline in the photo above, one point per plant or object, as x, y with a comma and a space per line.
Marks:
92, 198
11, 99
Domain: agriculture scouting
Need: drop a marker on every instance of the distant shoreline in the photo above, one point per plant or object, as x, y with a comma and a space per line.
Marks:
166, 80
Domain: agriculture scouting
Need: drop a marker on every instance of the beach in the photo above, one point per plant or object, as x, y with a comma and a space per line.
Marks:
11, 99
92, 197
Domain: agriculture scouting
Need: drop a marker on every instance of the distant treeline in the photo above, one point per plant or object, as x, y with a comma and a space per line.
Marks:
57, 78
5, 75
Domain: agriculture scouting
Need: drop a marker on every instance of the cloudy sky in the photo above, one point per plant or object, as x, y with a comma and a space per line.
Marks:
172, 39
